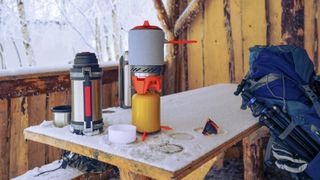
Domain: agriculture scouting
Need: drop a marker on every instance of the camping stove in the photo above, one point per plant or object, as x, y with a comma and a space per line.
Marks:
146, 59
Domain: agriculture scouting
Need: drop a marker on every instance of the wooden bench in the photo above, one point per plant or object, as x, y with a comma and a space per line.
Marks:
179, 153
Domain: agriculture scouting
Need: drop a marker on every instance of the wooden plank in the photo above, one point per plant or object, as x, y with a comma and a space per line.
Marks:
254, 26
236, 31
274, 16
309, 27
18, 146
114, 94
48, 74
195, 52
215, 152
18, 86
134, 166
36, 114
216, 57
54, 99
317, 53
4, 138
106, 95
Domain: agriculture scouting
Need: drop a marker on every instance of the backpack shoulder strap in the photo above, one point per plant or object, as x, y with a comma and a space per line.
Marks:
313, 97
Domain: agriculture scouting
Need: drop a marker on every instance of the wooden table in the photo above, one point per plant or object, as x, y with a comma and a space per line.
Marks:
186, 113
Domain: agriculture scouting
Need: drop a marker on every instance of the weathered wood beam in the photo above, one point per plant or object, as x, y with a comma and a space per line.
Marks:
227, 24
293, 22
187, 16
5, 138
33, 85
162, 15
310, 28
253, 154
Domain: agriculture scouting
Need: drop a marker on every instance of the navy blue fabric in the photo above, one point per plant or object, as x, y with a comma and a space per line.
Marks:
296, 69
313, 168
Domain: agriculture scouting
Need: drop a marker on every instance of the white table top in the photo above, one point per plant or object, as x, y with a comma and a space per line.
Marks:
186, 113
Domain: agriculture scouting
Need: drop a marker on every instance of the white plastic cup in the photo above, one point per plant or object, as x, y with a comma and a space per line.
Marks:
122, 133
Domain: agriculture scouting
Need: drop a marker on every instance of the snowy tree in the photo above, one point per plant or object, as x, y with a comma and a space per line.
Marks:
25, 33
50, 32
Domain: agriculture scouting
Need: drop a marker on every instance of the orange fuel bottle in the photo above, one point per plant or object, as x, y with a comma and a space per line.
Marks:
146, 112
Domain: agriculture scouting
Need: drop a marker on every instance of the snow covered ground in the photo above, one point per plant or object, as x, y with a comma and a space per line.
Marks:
58, 29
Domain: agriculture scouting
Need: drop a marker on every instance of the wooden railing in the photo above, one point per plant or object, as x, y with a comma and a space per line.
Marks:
25, 100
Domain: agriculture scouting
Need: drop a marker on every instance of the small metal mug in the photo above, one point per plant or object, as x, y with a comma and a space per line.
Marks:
61, 115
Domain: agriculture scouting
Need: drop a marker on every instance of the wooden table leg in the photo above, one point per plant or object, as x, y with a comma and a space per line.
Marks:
128, 175
202, 171
253, 155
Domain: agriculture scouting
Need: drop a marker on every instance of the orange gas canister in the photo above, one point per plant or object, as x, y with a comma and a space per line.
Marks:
146, 112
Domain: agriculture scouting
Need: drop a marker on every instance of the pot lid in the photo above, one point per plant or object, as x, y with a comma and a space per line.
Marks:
146, 25
85, 58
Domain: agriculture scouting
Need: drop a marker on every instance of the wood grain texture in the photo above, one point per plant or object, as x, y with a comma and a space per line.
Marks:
18, 146
127, 175
182, 57
195, 53
202, 171
4, 139
236, 31
17, 86
36, 114
310, 27
292, 23
253, 156
134, 166
274, 16
254, 27
54, 99
317, 53
216, 57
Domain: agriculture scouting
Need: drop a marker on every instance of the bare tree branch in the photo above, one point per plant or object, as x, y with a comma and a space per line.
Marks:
162, 15
84, 16
72, 26
187, 16
17, 51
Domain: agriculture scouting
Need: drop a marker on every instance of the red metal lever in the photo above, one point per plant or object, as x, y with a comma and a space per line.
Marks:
181, 41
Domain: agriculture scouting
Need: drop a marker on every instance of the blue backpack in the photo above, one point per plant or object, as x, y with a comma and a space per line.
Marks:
282, 89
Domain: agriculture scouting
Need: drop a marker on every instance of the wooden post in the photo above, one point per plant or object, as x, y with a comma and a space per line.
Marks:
18, 146
292, 22
253, 154
4, 138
